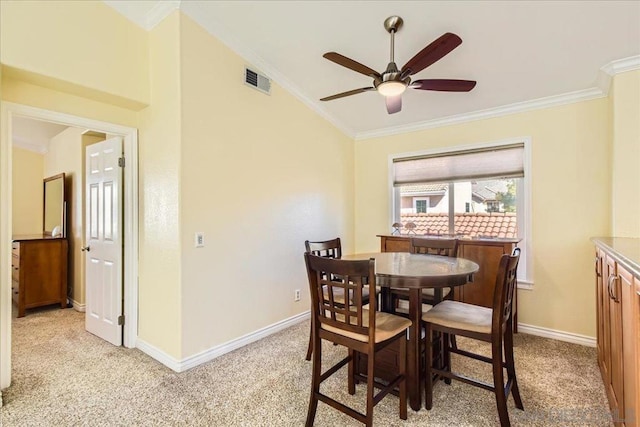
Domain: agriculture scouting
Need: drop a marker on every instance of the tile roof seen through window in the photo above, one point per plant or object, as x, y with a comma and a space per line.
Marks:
423, 188
495, 224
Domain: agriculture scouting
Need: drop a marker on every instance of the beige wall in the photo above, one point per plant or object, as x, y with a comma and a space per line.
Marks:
65, 156
27, 186
196, 133
626, 154
86, 43
570, 200
160, 304
260, 174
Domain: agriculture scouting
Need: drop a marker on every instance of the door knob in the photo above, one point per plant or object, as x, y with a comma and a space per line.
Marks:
86, 248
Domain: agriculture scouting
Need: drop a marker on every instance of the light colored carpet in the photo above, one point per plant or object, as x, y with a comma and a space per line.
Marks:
64, 376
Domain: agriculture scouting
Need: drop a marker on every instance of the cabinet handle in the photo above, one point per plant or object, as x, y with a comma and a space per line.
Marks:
616, 298
86, 248
609, 285
612, 278
598, 274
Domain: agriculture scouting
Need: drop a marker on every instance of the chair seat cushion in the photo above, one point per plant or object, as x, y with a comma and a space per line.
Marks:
459, 315
387, 326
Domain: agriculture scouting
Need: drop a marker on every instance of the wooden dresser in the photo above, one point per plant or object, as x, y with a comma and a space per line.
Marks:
38, 271
484, 252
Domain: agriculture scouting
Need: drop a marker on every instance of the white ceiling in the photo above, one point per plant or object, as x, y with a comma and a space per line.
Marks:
33, 134
517, 51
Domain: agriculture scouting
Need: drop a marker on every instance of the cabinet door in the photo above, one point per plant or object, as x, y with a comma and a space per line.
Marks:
629, 349
394, 244
636, 299
602, 316
616, 383
480, 291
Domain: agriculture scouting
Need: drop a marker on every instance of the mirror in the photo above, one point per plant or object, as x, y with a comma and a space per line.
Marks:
54, 206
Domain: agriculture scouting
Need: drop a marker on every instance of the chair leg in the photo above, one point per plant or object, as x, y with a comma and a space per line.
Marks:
453, 342
310, 346
315, 381
498, 382
351, 369
428, 381
370, 389
511, 367
446, 343
403, 372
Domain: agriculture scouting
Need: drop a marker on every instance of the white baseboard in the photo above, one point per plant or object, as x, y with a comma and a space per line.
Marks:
162, 357
219, 350
557, 335
79, 307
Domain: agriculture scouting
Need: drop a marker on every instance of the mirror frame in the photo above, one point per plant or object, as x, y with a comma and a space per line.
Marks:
63, 205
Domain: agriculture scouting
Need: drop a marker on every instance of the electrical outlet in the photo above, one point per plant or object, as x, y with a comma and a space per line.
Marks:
199, 239
296, 295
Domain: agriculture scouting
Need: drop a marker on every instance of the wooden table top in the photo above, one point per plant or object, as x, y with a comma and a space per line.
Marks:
405, 270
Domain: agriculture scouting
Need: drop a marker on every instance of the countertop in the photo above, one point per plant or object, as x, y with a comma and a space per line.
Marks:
23, 237
625, 250
461, 239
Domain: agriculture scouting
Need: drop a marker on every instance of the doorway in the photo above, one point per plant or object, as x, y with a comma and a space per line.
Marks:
8, 112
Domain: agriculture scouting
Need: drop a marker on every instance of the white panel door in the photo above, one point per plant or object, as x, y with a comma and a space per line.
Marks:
103, 240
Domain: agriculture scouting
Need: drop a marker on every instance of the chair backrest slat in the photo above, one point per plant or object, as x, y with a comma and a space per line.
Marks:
347, 278
444, 247
506, 283
327, 248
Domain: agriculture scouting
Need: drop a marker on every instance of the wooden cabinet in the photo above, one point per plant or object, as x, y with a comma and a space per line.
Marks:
484, 252
618, 312
39, 272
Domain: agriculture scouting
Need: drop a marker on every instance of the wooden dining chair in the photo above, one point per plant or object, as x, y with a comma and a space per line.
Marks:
366, 331
430, 246
328, 249
493, 325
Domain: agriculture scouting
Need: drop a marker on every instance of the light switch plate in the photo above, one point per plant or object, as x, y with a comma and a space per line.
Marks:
199, 239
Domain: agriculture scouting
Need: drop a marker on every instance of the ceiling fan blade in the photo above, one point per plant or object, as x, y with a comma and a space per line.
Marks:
394, 103
349, 93
431, 54
444, 85
351, 64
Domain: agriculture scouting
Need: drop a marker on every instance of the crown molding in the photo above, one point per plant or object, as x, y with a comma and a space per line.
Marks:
518, 107
28, 145
622, 65
193, 9
161, 10
199, 15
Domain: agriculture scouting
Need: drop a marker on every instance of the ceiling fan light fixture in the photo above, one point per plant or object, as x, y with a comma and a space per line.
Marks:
391, 88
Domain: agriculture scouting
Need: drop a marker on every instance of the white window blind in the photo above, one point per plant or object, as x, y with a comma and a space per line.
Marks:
495, 162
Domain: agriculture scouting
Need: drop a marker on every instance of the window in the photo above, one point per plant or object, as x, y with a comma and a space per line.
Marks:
483, 193
493, 206
420, 205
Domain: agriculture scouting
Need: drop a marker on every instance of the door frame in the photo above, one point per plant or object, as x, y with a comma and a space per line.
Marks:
129, 135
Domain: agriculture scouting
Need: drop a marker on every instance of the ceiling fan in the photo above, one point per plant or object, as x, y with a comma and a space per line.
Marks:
392, 82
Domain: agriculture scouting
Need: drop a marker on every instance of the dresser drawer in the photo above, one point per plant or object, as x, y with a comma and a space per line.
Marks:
15, 249
14, 291
15, 272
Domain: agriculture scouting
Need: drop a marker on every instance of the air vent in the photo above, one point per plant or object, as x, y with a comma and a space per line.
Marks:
257, 81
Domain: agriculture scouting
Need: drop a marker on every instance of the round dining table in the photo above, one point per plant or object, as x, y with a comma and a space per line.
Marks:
416, 272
